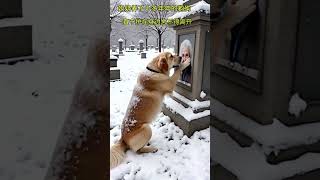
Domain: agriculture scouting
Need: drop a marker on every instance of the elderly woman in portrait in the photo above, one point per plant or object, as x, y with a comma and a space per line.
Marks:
185, 53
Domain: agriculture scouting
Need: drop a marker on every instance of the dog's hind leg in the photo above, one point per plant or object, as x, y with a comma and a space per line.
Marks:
138, 141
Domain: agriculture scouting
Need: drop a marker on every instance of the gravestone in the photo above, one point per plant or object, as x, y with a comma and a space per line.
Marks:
266, 74
143, 55
132, 46
114, 71
16, 42
141, 46
193, 86
120, 47
113, 61
114, 48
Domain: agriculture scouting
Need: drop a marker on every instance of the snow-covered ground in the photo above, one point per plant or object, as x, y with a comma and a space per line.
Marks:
282, 137
273, 137
178, 157
35, 97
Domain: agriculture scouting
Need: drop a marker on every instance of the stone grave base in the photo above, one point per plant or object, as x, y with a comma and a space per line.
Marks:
188, 127
114, 74
143, 55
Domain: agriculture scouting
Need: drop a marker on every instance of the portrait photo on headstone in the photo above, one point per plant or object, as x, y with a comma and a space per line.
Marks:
185, 51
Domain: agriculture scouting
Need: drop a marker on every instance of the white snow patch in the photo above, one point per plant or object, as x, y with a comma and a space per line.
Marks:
187, 113
112, 56
250, 163
178, 157
203, 94
297, 105
200, 6
275, 136
185, 83
196, 104
36, 97
114, 68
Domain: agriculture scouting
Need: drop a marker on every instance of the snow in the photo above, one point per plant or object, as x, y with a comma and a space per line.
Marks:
185, 83
196, 104
297, 105
114, 68
178, 157
141, 41
203, 95
35, 99
120, 40
275, 136
200, 6
250, 163
113, 56
35, 96
187, 113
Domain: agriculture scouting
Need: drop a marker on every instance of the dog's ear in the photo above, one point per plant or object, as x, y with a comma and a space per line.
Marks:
162, 64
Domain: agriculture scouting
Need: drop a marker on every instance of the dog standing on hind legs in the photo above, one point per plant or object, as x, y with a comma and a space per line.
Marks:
152, 85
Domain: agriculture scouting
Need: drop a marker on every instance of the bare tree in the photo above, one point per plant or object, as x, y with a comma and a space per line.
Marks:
157, 28
114, 13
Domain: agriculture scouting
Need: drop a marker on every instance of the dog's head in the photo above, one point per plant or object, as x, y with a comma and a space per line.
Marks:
165, 61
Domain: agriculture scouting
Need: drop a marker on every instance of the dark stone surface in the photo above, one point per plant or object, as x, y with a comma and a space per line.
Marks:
312, 175
143, 55
15, 41
114, 74
220, 173
113, 62
293, 153
242, 139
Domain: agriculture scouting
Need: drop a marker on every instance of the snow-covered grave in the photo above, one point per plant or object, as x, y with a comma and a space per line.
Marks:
179, 157
198, 7
189, 106
114, 70
275, 152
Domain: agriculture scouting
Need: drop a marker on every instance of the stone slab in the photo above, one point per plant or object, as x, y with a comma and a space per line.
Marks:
114, 74
188, 127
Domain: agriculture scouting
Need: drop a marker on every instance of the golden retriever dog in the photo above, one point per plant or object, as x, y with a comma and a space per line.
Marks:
152, 85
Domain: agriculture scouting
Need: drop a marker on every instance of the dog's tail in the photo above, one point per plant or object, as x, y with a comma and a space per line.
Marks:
117, 153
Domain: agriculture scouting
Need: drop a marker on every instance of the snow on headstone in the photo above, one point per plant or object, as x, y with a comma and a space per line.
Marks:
297, 105
141, 41
200, 6
113, 57
120, 40
203, 94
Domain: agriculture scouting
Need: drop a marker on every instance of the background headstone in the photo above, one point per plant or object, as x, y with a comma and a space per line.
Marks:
141, 45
